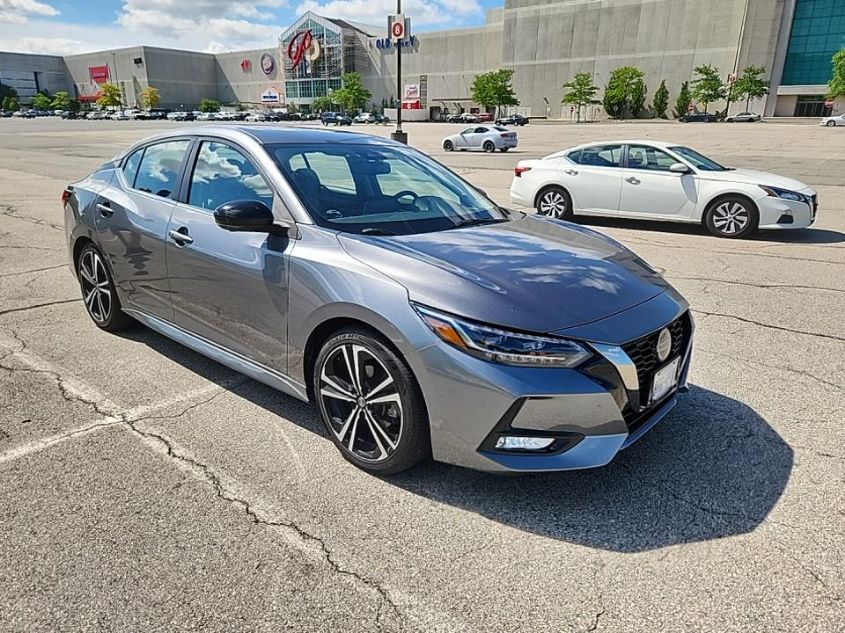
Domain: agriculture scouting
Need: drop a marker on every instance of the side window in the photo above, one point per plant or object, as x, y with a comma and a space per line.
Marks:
575, 156
130, 169
223, 174
469, 130
158, 172
648, 157
602, 156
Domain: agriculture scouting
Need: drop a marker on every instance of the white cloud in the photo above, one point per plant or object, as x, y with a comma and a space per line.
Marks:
46, 45
422, 12
18, 11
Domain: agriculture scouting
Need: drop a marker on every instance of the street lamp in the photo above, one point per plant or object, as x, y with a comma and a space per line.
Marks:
399, 135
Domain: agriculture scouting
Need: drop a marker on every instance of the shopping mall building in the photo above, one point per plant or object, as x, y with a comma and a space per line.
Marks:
546, 42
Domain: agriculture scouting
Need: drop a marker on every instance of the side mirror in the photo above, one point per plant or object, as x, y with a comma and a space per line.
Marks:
245, 215
679, 168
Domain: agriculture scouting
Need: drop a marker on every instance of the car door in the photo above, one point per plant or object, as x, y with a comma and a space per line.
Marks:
650, 189
464, 138
479, 135
131, 219
593, 177
230, 288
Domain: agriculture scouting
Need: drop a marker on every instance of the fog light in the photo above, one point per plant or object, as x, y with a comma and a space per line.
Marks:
514, 443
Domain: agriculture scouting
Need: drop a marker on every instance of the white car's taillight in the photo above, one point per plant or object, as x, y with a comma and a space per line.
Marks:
519, 170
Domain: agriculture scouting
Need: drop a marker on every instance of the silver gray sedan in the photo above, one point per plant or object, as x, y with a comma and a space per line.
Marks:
488, 138
359, 274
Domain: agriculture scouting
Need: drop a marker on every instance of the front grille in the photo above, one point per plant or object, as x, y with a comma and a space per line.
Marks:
643, 352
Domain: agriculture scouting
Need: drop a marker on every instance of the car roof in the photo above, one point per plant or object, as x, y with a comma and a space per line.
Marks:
652, 142
273, 135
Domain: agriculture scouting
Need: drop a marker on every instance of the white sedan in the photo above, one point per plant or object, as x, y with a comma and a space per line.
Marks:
647, 180
744, 117
488, 138
832, 121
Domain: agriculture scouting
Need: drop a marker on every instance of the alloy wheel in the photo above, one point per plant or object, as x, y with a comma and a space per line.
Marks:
361, 401
96, 289
553, 203
731, 217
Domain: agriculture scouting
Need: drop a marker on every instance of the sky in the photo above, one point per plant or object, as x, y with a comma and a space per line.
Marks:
63, 27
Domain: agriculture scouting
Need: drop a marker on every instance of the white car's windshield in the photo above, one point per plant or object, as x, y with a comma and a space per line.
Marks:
380, 189
699, 161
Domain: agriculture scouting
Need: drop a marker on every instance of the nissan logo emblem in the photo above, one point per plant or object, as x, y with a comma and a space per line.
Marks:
664, 344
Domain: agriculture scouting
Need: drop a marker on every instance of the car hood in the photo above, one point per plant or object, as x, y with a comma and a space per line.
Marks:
752, 177
532, 273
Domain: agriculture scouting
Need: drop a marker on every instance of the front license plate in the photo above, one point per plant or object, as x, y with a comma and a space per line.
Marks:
665, 380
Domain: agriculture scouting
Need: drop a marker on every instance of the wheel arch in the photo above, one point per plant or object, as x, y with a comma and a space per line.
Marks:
553, 184
724, 195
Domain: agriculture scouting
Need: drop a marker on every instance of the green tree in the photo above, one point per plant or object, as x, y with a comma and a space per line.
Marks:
581, 92
353, 95
625, 91
150, 97
7, 92
109, 96
321, 104
836, 86
494, 89
707, 87
41, 101
61, 101
14, 104
751, 85
209, 105
4, 104
683, 101
661, 100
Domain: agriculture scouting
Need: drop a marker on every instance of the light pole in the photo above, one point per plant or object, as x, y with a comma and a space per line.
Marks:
399, 135
116, 80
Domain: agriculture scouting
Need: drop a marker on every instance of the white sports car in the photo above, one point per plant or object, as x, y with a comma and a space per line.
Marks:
832, 121
662, 181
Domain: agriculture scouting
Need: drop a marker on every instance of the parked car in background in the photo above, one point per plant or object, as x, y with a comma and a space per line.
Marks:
649, 180
119, 115
256, 117
180, 115
364, 117
157, 114
5, 114
484, 117
833, 121
421, 319
382, 118
488, 138
469, 117
744, 117
453, 118
208, 116
698, 117
69, 114
335, 118
512, 119
97, 115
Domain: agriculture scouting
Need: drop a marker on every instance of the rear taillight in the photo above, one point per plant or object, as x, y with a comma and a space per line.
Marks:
65, 196
519, 170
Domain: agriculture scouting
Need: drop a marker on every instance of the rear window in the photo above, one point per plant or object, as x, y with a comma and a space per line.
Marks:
598, 156
160, 166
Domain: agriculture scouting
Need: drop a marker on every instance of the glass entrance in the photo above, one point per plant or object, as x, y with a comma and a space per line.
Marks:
812, 106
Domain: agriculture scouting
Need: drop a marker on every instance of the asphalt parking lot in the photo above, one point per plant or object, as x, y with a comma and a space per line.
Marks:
144, 487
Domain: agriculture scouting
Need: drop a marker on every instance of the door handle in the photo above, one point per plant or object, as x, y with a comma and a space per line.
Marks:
632, 180
180, 236
571, 172
105, 209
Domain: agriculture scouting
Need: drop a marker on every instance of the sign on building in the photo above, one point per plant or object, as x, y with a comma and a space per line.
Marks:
271, 95
412, 91
98, 74
396, 29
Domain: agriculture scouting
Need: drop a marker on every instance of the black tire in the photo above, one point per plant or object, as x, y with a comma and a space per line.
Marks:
831, 124
448, 146
549, 202
732, 217
102, 302
412, 442
489, 146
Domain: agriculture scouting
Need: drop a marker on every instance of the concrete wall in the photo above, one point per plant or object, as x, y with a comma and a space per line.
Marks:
131, 77
182, 77
29, 73
235, 84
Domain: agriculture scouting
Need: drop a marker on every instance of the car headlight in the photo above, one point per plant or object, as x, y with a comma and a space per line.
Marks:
503, 346
784, 193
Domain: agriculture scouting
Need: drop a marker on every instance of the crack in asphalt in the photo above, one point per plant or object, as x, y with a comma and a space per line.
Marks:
831, 337
758, 285
211, 477
39, 305
800, 372
34, 270
12, 212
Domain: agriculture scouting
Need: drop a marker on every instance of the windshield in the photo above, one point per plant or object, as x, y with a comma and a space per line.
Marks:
380, 189
699, 161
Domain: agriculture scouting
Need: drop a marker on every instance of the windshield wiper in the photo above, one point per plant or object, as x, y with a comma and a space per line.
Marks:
478, 222
372, 230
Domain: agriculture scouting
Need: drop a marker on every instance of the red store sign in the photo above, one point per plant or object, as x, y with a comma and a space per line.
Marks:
98, 74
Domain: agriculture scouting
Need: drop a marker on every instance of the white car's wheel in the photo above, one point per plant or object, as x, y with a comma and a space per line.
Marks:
732, 217
489, 146
554, 202
448, 145
831, 123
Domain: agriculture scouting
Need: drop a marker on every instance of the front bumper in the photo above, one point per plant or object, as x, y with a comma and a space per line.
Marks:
593, 412
777, 213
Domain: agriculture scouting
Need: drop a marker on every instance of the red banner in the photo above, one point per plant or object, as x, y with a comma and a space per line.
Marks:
412, 105
99, 74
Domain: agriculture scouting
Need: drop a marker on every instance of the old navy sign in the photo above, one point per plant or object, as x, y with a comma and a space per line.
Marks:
386, 42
